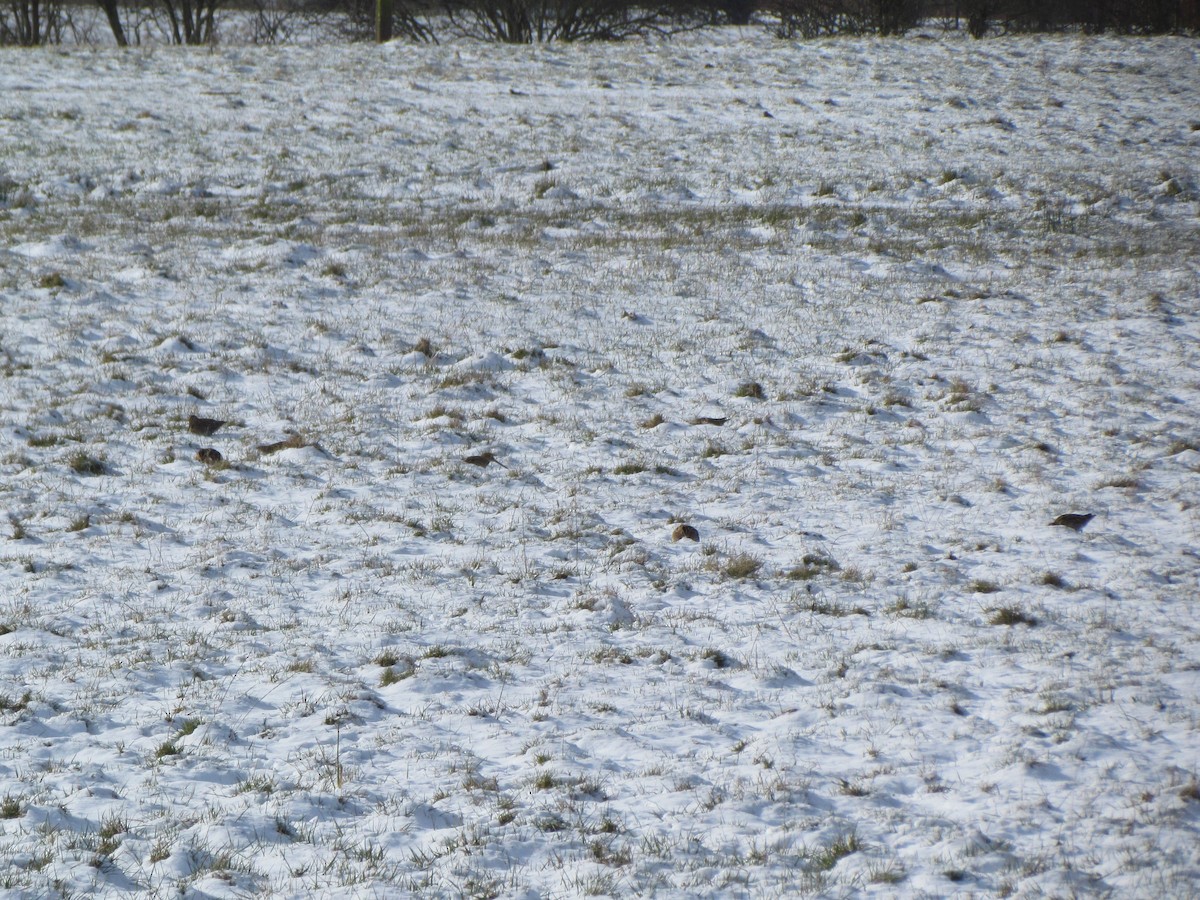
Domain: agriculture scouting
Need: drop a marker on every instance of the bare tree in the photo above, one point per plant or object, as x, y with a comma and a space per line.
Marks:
31, 22
274, 21
700, 13
356, 20
1092, 16
540, 21
192, 21
112, 12
812, 18
738, 12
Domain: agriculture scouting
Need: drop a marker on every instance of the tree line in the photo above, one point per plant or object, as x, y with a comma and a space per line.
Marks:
198, 22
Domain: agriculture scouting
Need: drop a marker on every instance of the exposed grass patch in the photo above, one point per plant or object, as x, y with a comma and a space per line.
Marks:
85, 463
109, 834
910, 609
832, 608
1053, 579
629, 468
825, 858
7, 703
853, 788
741, 565
392, 676
255, 784
811, 565
1010, 615
165, 749
718, 658
890, 873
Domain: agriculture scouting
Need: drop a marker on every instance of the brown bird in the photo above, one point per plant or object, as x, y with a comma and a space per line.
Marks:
710, 420
206, 427
1074, 521
483, 460
685, 531
209, 456
288, 443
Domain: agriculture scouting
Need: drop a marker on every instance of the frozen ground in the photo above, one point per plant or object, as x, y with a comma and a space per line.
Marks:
941, 291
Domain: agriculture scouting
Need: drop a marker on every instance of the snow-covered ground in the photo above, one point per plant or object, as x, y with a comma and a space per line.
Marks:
937, 292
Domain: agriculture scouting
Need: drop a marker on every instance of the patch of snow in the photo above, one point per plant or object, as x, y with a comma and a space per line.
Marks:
365, 666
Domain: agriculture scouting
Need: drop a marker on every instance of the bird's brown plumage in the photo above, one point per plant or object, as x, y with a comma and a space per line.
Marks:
206, 427
483, 460
1074, 521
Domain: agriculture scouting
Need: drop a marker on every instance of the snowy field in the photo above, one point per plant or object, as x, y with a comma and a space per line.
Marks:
867, 315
